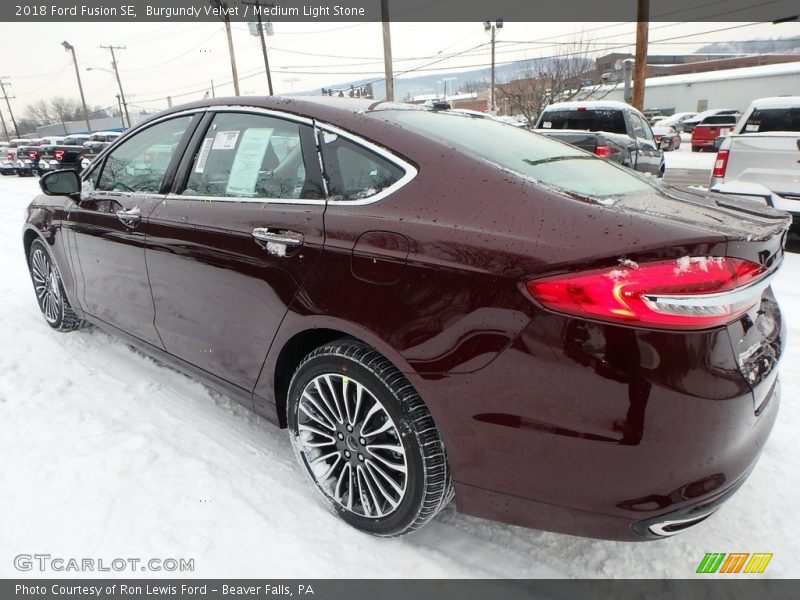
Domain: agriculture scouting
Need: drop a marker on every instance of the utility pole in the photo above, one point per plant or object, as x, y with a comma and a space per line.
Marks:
219, 4
119, 82
640, 66
387, 51
70, 48
257, 4
121, 118
3, 85
492, 27
5, 129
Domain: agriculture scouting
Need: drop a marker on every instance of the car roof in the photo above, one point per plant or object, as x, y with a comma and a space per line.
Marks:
592, 104
776, 102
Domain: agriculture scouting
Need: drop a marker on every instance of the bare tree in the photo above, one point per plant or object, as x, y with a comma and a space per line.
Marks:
39, 113
65, 109
473, 85
568, 75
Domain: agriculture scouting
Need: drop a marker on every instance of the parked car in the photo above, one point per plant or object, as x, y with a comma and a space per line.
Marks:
761, 157
677, 120
27, 158
560, 342
690, 124
667, 137
709, 129
8, 158
612, 130
64, 155
95, 144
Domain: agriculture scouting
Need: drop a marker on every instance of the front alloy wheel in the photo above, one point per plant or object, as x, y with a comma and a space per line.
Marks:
50, 295
366, 440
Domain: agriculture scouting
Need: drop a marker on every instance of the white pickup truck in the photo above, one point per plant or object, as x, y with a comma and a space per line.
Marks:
761, 157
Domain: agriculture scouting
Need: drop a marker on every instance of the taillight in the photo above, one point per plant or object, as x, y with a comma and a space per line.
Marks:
59, 154
33, 154
602, 151
721, 164
688, 293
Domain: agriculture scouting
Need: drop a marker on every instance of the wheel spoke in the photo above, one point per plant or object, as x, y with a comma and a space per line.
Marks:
327, 404
401, 468
372, 411
387, 425
376, 482
371, 464
328, 424
368, 484
334, 399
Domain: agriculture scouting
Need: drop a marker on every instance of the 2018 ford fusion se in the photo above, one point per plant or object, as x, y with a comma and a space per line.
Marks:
434, 304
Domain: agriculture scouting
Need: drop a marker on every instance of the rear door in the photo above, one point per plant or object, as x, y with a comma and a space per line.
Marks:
230, 247
108, 225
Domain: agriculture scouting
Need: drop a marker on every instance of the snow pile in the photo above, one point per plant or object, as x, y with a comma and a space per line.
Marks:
105, 453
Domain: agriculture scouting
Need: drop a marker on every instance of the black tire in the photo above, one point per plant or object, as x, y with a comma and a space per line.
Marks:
49, 290
427, 487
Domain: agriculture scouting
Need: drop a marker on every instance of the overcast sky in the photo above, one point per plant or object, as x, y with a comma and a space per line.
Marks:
180, 59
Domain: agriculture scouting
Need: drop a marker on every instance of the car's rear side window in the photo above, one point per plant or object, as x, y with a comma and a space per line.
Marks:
354, 172
547, 161
773, 119
247, 155
608, 120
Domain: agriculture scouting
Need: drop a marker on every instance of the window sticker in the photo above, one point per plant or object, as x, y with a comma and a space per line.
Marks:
202, 157
247, 163
547, 124
225, 140
752, 127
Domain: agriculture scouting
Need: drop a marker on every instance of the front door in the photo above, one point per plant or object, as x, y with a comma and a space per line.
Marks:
229, 249
109, 226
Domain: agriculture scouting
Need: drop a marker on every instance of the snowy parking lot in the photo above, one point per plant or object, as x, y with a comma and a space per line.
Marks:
104, 454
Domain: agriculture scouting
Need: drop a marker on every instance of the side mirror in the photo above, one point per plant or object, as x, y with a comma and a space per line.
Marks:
664, 143
61, 183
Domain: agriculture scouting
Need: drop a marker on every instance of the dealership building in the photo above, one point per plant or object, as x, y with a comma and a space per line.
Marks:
731, 88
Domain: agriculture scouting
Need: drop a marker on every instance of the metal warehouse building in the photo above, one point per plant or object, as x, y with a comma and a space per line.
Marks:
732, 88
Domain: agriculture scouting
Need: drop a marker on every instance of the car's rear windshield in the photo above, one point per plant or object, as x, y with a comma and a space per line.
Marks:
529, 154
719, 120
609, 120
773, 119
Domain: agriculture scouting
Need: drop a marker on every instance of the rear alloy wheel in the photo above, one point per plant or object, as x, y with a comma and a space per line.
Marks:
366, 440
49, 290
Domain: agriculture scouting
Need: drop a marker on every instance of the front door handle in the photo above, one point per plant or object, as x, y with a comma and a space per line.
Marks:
276, 236
130, 217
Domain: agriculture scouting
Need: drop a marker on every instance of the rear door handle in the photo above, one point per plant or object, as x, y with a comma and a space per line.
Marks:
276, 236
128, 217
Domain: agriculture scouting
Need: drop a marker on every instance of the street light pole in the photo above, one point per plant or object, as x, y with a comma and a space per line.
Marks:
492, 27
231, 52
257, 4
70, 48
121, 118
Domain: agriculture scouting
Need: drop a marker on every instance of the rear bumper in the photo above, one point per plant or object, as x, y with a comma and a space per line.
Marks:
601, 431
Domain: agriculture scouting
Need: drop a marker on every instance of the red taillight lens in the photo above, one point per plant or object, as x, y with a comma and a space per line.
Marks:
59, 154
602, 151
721, 164
690, 293
33, 154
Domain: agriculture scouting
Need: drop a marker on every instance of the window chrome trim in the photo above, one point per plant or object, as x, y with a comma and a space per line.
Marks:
243, 108
410, 171
95, 163
255, 200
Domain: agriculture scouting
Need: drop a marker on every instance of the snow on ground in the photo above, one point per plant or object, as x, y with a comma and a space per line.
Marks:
684, 158
104, 453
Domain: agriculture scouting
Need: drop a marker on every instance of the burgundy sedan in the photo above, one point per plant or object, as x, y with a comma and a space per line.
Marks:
434, 304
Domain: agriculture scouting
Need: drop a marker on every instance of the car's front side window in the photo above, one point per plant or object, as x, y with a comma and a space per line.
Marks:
140, 163
247, 155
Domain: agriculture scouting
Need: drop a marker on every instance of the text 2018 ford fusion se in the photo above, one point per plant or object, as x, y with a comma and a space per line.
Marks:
434, 304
